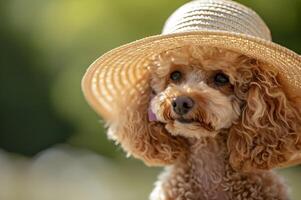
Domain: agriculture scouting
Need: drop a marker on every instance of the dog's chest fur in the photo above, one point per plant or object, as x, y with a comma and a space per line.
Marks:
206, 175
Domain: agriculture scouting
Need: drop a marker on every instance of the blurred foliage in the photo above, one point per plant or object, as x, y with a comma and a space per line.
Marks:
46, 46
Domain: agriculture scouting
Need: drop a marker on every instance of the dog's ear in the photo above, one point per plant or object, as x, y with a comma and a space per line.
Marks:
268, 132
144, 139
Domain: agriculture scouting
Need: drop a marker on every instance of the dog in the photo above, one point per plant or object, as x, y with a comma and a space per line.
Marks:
218, 121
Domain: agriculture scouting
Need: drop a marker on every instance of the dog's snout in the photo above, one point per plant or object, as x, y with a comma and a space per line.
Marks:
182, 104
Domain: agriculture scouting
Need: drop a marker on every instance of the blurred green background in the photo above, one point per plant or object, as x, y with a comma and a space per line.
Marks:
45, 48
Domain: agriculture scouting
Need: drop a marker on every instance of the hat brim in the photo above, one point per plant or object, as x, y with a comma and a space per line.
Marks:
123, 71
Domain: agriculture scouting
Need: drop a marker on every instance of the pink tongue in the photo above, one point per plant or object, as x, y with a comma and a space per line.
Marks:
151, 115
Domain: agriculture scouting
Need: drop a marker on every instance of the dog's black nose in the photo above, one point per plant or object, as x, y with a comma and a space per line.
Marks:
182, 104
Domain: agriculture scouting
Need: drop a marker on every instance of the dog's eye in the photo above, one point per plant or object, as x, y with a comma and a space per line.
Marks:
176, 76
221, 79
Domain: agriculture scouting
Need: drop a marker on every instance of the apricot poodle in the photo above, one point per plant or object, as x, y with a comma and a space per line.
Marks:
218, 120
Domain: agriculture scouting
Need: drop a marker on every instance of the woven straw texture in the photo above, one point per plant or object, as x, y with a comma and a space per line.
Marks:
217, 15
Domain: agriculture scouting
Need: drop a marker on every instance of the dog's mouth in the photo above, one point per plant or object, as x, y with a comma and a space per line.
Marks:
185, 121
207, 126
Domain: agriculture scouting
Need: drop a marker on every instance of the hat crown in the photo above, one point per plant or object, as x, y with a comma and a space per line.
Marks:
217, 15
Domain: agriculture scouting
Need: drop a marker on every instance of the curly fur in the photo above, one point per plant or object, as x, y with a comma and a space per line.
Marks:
238, 133
148, 141
269, 130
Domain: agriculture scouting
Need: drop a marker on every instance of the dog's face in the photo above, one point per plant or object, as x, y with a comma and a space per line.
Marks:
200, 92
196, 94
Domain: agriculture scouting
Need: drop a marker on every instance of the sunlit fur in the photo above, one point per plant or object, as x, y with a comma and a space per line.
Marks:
239, 132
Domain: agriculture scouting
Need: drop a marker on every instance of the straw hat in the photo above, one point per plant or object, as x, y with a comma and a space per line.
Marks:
218, 23
123, 71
